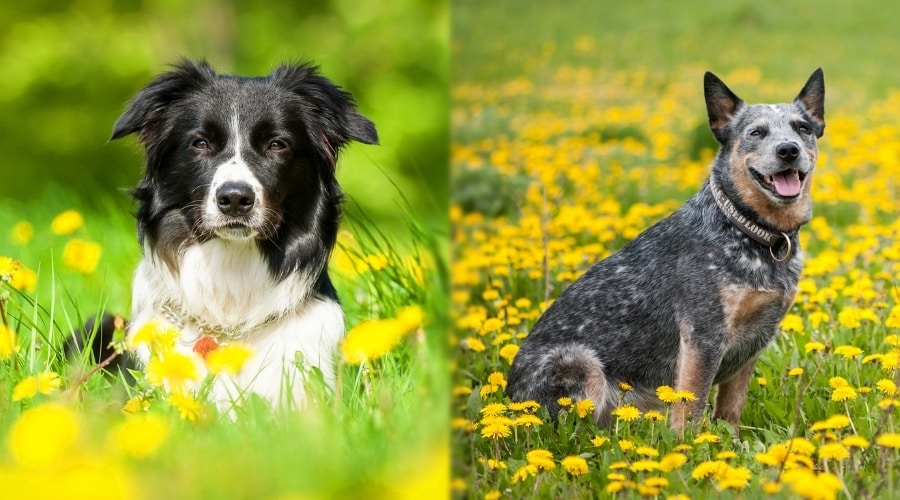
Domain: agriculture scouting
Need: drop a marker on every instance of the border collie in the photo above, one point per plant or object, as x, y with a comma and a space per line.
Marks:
238, 212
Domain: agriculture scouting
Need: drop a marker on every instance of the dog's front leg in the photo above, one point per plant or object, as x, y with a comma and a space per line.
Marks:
698, 362
733, 394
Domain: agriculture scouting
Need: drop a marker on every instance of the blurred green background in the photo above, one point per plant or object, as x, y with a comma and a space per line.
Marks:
68, 68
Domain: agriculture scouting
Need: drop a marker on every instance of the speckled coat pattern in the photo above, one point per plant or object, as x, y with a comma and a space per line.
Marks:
693, 300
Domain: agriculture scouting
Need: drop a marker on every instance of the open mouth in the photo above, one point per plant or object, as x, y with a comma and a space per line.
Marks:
785, 184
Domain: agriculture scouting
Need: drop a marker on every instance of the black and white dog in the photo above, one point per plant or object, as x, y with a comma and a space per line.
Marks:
238, 214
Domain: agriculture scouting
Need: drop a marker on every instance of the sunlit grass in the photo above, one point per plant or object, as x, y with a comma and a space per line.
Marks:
591, 156
71, 433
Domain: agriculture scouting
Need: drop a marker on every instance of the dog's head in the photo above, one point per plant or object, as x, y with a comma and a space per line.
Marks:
240, 158
769, 150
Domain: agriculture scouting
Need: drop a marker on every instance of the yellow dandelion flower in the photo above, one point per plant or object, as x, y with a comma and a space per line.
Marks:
615, 476
666, 394
8, 342
26, 389
159, 337
618, 465
493, 464
44, 383
872, 358
657, 482
770, 487
654, 416
66, 223
490, 294
462, 390
855, 441
574, 465
372, 339
493, 409
508, 352
843, 394
726, 455
890, 361
686, 396
42, 436
814, 347
734, 478
174, 369
683, 448
528, 420
647, 451
473, 344
141, 435
599, 441
542, 459
893, 320
816, 318
761, 381
887, 387
627, 413
833, 451
888, 404
524, 472
706, 437
709, 468
808, 484
135, 405
24, 279
672, 461
615, 487
792, 323
188, 406
848, 351
496, 378
863, 389
795, 372
530, 406
411, 317
888, 440
625, 386
836, 382
228, 358
645, 465
81, 255
492, 495
22, 232
564, 402
496, 428
584, 408
893, 339
625, 445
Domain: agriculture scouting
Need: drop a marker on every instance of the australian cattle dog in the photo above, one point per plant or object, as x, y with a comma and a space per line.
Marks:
693, 300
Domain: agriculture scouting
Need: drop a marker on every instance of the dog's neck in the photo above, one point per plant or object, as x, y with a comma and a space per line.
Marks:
765, 237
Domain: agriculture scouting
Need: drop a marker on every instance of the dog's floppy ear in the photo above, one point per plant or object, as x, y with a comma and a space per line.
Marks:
147, 109
812, 99
721, 105
330, 109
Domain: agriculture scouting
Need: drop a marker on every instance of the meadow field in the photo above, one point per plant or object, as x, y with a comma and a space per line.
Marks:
574, 129
70, 431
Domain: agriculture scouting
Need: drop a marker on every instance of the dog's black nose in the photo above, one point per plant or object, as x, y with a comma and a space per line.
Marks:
235, 198
787, 151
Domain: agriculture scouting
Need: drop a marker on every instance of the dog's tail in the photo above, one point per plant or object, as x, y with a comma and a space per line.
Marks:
99, 336
569, 370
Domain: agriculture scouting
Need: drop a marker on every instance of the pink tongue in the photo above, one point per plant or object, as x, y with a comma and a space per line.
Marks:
787, 183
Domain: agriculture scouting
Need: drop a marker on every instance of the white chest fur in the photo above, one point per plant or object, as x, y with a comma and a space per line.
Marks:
227, 283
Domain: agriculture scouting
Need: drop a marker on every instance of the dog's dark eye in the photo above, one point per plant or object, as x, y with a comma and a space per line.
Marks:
200, 144
756, 132
803, 128
277, 146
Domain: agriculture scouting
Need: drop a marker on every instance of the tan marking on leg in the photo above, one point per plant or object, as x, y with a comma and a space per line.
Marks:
690, 375
732, 396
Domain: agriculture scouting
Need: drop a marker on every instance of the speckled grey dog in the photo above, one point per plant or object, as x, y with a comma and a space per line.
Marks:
692, 301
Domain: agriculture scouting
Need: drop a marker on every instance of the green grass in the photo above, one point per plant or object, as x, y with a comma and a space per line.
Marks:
381, 435
587, 121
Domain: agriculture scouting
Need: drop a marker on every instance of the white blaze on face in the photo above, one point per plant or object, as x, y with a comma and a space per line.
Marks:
235, 169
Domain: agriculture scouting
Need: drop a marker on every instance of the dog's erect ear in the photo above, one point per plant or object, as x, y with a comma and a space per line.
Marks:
147, 109
331, 110
812, 99
721, 104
